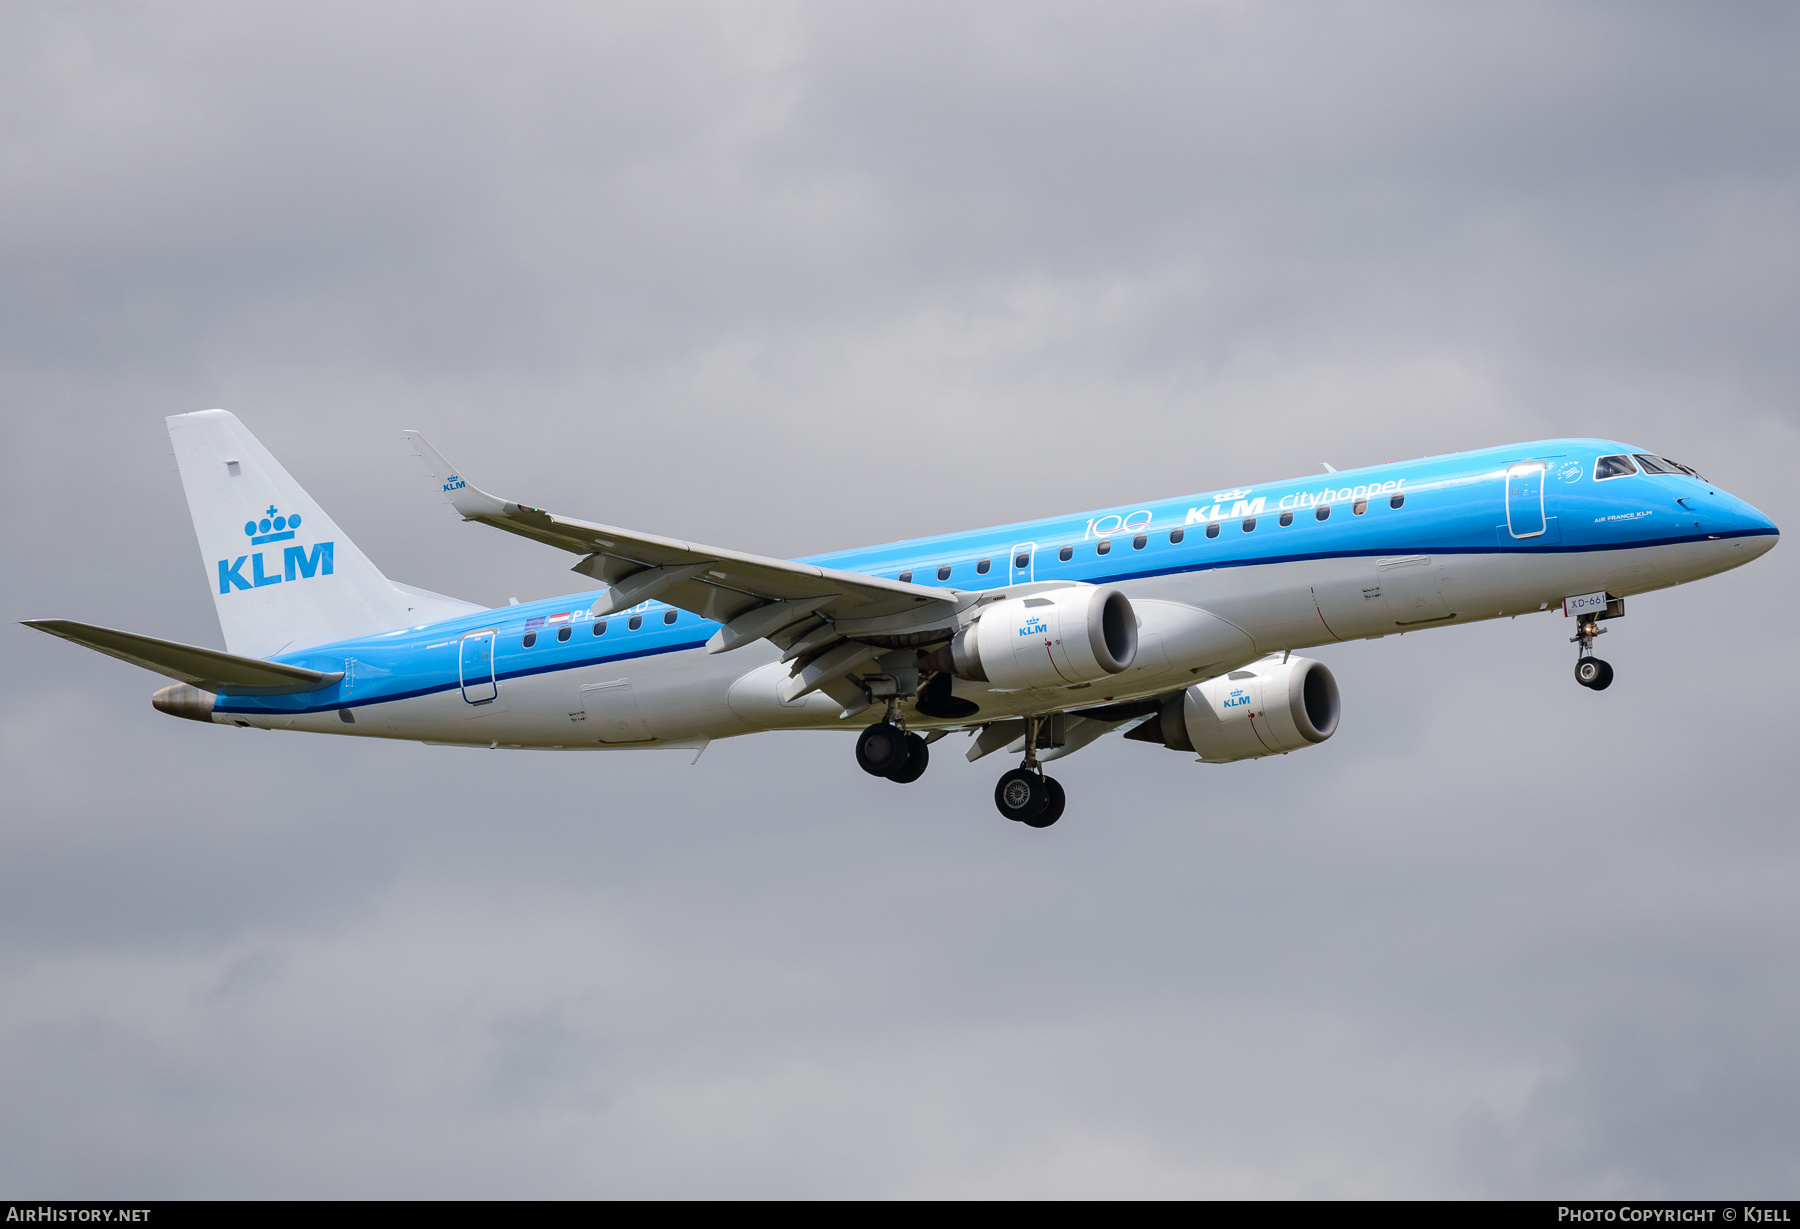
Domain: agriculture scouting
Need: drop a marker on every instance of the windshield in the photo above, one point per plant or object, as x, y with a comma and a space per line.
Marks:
1613, 467
1662, 465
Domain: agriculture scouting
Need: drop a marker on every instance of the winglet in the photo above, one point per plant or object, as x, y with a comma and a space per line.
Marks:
467, 498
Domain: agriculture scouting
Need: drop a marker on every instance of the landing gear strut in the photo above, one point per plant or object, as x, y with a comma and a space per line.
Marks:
1025, 794
1590, 671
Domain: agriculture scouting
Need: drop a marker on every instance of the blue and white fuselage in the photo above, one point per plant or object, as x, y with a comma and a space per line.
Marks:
1214, 583
1286, 586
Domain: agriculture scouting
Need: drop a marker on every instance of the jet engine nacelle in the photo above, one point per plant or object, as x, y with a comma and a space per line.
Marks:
1081, 634
1269, 707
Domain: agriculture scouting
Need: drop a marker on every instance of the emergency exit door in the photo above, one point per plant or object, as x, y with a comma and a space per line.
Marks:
1021, 570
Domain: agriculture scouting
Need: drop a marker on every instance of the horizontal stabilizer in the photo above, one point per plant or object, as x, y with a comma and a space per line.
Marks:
207, 669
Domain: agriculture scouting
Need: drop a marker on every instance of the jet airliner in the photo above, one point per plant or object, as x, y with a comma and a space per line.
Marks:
1177, 623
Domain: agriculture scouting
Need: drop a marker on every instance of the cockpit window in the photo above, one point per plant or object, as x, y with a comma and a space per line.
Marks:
1613, 467
1662, 465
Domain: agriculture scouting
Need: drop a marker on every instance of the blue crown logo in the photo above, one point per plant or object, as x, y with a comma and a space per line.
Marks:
273, 527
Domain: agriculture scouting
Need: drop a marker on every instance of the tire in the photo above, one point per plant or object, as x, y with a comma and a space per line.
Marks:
918, 756
1593, 674
1021, 795
881, 750
1053, 805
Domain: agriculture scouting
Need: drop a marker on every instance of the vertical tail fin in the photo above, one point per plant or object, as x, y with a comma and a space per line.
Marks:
283, 575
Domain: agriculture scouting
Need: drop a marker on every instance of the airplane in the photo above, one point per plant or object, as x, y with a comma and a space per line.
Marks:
1176, 623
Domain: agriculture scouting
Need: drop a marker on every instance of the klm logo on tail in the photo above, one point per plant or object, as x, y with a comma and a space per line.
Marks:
297, 562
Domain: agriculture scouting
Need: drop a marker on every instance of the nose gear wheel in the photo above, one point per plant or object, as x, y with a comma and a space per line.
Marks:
1590, 671
1594, 674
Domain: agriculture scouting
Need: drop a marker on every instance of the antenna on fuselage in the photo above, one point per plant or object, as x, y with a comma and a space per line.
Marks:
1329, 467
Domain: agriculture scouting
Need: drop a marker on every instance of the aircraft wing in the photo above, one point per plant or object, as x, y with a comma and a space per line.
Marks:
753, 596
207, 669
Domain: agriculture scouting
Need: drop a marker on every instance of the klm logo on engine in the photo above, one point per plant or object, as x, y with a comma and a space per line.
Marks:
1034, 626
1238, 698
297, 562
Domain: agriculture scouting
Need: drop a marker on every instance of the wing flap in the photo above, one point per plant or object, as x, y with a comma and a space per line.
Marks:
207, 669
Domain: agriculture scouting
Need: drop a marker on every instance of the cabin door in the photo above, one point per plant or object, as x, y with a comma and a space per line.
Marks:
1525, 499
478, 686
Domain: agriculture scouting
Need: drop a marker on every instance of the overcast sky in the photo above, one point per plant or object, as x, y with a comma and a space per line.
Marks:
793, 278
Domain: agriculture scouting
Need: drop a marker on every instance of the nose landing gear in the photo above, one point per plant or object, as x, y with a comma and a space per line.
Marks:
1594, 674
1590, 671
1025, 794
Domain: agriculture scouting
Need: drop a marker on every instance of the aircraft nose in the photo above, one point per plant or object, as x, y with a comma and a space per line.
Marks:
1742, 518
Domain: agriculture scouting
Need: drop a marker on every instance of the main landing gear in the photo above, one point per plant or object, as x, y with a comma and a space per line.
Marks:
1025, 794
886, 749
1031, 798
1590, 671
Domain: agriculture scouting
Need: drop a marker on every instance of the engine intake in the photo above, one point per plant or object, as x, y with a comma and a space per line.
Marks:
1053, 639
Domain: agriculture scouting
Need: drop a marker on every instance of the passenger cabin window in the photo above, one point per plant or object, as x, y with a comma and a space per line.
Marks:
1323, 513
906, 578
1359, 507
563, 633
981, 569
1396, 501
1176, 535
1287, 518
1212, 530
634, 622
1103, 546
599, 627
1613, 467
530, 639
1138, 542
944, 572
1021, 561
1066, 553
1249, 524
669, 616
